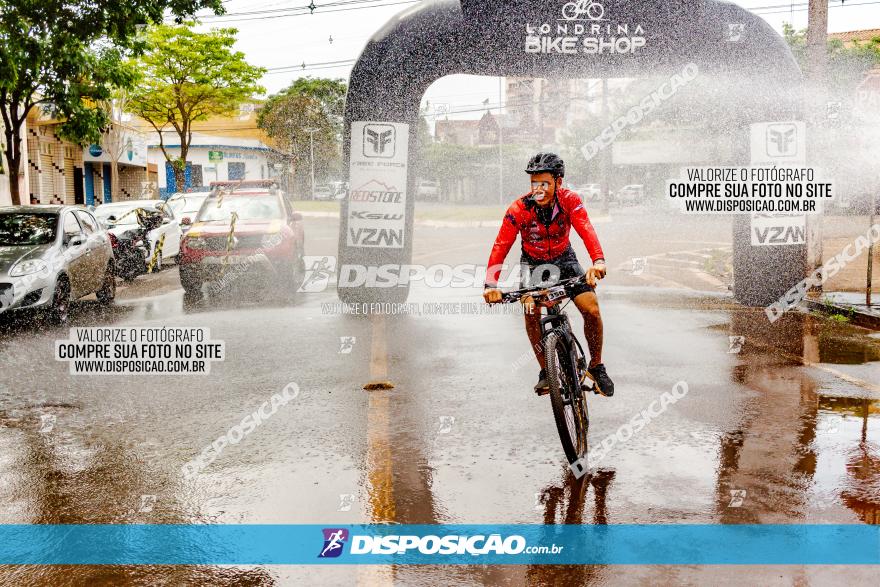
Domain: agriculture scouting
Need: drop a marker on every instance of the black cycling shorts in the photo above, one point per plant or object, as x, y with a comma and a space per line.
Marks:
532, 272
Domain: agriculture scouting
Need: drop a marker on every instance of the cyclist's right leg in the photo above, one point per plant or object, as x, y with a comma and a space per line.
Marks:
533, 330
532, 320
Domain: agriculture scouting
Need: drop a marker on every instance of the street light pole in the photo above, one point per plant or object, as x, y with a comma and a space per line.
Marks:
312, 132
500, 142
290, 163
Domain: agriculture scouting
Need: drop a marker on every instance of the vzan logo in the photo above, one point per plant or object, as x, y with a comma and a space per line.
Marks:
379, 141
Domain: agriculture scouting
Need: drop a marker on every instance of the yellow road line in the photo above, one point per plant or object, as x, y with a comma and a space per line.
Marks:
378, 356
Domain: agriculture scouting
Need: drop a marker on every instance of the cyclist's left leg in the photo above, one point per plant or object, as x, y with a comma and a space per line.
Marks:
588, 304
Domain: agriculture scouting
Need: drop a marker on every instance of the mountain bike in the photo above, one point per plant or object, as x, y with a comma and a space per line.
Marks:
566, 366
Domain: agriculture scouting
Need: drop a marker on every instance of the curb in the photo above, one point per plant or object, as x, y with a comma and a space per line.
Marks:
447, 223
319, 214
856, 317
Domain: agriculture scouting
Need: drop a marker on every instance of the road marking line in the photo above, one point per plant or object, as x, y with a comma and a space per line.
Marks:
378, 356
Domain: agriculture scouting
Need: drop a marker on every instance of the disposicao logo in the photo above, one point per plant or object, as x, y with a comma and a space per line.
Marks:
334, 540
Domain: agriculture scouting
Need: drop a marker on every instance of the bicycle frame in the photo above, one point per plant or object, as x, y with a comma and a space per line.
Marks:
558, 320
565, 364
555, 318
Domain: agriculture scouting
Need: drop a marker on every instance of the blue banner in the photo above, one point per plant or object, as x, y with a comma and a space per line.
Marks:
517, 544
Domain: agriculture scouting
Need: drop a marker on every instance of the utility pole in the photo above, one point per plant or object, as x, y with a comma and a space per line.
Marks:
290, 165
817, 38
869, 275
312, 132
606, 159
500, 143
817, 104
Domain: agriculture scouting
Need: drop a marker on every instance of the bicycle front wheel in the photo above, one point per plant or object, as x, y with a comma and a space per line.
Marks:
566, 398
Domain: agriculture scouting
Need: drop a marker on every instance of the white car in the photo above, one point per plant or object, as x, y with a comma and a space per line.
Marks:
185, 207
631, 194
119, 217
323, 192
428, 190
591, 192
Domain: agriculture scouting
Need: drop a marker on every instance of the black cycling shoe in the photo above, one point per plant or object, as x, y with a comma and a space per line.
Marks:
542, 387
604, 385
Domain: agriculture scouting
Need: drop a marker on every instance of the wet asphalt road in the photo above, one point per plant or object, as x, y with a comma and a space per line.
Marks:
784, 431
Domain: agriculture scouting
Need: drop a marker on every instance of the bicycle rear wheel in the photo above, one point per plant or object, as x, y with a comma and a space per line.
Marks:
566, 398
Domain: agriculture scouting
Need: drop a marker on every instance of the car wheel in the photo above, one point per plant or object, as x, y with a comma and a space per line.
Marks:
107, 293
292, 279
298, 275
59, 311
192, 287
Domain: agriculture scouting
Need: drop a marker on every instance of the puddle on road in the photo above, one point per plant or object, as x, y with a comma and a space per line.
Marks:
849, 453
841, 347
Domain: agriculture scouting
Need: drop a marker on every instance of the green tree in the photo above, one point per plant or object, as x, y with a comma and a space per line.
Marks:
65, 57
187, 76
847, 64
308, 103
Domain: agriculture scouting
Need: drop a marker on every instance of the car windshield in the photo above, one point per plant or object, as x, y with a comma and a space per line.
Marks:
22, 229
117, 214
256, 207
186, 205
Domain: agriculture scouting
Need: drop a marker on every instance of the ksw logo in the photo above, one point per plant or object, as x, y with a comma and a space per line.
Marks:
782, 140
375, 216
379, 141
334, 540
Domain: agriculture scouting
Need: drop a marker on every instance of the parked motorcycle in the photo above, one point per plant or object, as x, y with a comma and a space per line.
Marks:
132, 248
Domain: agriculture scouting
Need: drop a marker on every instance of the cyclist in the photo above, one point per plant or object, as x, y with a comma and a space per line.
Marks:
543, 219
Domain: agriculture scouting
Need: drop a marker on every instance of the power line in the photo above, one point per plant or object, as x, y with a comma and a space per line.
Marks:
288, 9
801, 7
346, 5
285, 13
347, 62
283, 68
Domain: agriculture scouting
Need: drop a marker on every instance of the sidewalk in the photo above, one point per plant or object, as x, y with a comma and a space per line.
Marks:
850, 306
844, 294
436, 215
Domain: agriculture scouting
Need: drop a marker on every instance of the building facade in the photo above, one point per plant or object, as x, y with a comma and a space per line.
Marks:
212, 158
128, 147
55, 166
5, 189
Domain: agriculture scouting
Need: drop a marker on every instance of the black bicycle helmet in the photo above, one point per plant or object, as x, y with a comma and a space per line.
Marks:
546, 162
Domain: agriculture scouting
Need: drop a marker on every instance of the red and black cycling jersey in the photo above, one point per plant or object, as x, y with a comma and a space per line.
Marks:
542, 241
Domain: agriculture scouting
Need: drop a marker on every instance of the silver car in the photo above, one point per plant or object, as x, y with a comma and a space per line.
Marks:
51, 255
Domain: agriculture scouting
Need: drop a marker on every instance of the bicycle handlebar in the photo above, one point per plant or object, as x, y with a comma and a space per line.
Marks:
540, 293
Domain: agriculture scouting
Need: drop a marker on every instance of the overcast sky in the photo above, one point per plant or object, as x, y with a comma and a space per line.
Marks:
289, 39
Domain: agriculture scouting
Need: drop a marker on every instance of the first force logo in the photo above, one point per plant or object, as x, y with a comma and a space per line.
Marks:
379, 141
782, 140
